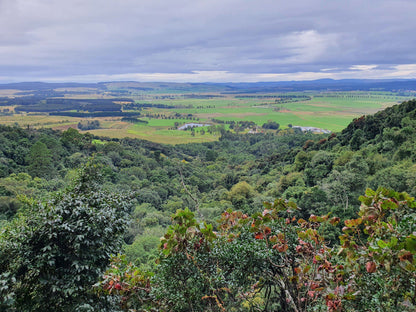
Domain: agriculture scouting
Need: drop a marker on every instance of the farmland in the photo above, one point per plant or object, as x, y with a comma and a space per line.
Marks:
156, 112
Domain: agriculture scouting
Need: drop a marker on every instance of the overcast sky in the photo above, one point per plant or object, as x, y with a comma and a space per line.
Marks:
206, 40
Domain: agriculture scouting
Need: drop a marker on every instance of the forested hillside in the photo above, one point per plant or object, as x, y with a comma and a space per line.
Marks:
265, 257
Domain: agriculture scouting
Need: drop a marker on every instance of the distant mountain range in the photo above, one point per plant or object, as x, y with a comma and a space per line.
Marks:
255, 87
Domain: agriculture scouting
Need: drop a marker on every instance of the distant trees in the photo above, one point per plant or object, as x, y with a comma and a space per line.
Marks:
319, 167
271, 125
357, 139
241, 195
88, 125
211, 155
40, 161
134, 120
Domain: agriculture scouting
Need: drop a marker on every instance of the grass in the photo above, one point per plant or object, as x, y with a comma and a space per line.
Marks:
37, 120
162, 135
331, 110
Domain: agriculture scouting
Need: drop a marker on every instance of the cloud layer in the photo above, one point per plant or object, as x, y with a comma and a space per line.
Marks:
206, 40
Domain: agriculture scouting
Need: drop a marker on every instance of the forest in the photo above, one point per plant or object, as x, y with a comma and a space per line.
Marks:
275, 221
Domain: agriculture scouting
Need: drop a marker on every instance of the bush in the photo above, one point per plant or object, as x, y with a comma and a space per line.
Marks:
53, 253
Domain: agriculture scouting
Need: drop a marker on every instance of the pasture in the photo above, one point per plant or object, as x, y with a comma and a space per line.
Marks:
327, 110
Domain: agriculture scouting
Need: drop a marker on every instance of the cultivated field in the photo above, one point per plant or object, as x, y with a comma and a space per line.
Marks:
164, 111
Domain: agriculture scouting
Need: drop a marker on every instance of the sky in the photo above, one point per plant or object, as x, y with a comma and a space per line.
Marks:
206, 40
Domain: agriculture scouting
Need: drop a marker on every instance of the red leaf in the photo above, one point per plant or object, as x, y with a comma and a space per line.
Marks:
406, 256
370, 267
301, 221
334, 220
314, 285
280, 248
267, 230
353, 222
259, 236
313, 218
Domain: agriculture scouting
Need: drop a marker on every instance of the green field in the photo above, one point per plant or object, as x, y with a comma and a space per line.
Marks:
326, 110
332, 111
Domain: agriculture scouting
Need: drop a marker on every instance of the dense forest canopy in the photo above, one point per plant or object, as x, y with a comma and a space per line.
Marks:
256, 258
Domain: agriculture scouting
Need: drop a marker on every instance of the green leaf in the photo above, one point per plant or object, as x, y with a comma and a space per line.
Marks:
369, 192
387, 205
393, 242
410, 244
381, 244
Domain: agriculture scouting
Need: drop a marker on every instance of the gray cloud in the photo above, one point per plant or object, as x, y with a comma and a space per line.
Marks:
55, 39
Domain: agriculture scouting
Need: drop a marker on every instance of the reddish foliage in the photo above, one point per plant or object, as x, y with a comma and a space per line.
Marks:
259, 236
370, 267
407, 256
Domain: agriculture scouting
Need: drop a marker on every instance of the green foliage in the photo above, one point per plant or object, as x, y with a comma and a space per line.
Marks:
321, 174
143, 250
379, 249
129, 284
211, 155
271, 125
357, 140
275, 261
181, 283
241, 194
270, 261
185, 229
319, 167
53, 253
86, 125
40, 161
14, 186
291, 179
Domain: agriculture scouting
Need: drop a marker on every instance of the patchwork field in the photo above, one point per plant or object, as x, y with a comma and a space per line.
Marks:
160, 114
